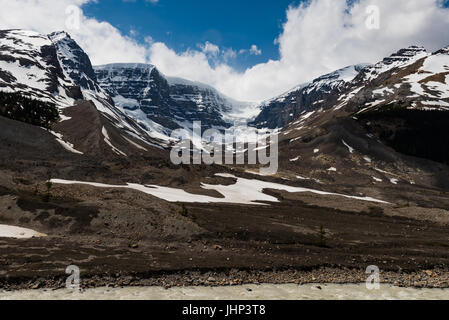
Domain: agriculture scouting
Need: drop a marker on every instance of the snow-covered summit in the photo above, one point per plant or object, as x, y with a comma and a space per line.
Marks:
401, 58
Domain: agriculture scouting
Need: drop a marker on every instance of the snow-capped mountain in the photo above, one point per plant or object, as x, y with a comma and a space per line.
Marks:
135, 97
277, 112
411, 77
399, 59
74, 61
29, 64
414, 80
165, 103
140, 100
400, 104
53, 68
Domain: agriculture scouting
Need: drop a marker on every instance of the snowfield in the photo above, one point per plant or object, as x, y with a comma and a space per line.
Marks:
244, 191
18, 233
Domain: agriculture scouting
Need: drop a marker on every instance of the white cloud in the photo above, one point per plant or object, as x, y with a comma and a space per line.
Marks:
255, 50
317, 37
210, 48
103, 42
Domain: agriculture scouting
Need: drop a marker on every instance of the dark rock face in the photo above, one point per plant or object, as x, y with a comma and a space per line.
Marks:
141, 87
423, 134
56, 62
16, 49
74, 61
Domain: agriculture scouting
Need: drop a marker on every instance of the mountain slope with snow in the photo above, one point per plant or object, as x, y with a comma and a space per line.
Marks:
393, 117
165, 103
53, 68
277, 112
411, 78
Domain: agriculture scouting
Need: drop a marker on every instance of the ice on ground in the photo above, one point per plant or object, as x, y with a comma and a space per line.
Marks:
351, 149
244, 191
18, 232
108, 141
66, 145
135, 144
64, 118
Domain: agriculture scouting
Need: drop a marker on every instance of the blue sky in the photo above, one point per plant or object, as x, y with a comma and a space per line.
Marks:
183, 24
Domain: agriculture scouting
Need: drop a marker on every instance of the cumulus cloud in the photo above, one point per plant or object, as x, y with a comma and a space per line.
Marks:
318, 36
255, 50
210, 48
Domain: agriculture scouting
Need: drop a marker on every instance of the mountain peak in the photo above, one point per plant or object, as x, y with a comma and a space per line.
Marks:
444, 50
405, 55
58, 36
401, 58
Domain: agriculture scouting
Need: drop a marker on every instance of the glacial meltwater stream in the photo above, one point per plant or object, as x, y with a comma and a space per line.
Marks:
247, 292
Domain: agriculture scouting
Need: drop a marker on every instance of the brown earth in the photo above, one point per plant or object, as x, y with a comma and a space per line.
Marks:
124, 237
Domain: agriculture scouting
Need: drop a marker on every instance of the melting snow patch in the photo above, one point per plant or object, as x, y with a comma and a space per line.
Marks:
66, 145
307, 115
367, 159
316, 150
295, 159
135, 144
377, 179
351, 150
332, 169
18, 233
244, 191
108, 141
64, 118
394, 181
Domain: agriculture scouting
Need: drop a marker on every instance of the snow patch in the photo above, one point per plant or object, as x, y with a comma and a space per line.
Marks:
351, 149
18, 232
108, 141
244, 191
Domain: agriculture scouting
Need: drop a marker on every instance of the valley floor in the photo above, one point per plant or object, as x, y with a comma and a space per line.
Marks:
238, 245
125, 237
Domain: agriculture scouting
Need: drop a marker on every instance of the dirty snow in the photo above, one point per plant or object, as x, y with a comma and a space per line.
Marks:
244, 191
351, 149
18, 232
108, 141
